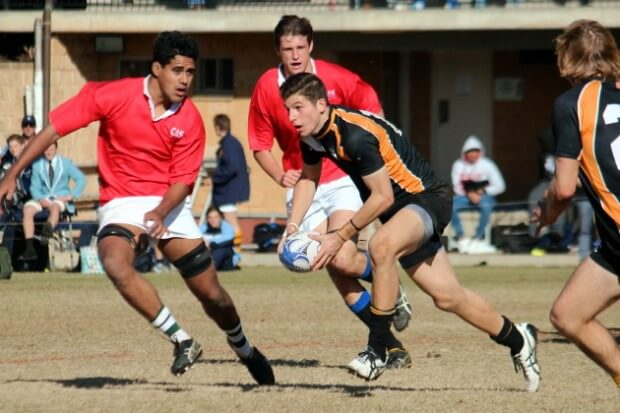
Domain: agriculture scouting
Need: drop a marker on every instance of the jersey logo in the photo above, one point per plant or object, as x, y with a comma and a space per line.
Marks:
331, 93
611, 114
177, 133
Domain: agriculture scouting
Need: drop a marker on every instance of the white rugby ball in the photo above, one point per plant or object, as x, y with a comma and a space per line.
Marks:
298, 252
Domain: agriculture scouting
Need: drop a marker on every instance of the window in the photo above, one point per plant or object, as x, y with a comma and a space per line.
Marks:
135, 68
216, 76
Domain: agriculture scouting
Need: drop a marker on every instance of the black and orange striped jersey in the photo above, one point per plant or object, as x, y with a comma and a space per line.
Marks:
361, 143
586, 126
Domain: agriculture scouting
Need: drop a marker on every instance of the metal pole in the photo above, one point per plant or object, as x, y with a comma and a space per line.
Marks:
47, 43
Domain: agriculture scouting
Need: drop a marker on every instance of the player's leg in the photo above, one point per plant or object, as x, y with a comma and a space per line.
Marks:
345, 274
402, 233
230, 214
193, 260
55, 208
591, 289
458, 203
340, 201
30, 209
118, 246
486, 205
436, 277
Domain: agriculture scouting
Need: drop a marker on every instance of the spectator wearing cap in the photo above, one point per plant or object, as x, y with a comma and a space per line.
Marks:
29, 126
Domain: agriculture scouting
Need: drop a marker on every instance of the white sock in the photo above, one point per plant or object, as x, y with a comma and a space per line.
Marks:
165, 322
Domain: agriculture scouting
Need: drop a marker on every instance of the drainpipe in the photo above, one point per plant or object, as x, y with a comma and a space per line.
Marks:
47, 35
37, 90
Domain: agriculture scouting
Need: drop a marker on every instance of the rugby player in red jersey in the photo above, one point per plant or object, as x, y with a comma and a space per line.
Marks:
149, 151
336, 198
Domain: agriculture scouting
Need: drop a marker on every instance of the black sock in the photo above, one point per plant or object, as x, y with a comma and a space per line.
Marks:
29, 246
380, 333
509, 336
365, 316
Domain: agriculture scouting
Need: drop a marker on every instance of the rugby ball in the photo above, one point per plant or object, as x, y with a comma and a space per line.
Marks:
298, 252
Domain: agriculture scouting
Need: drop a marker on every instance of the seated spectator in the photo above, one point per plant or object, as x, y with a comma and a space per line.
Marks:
476, 181
16, 144
50, 190
29, 125
219, 235
555, 237
230, 179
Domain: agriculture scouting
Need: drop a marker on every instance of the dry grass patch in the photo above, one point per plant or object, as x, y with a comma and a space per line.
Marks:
69, 343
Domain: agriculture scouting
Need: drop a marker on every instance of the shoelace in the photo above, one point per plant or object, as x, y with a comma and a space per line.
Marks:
186, 351
522, 364
370, 356
403, 302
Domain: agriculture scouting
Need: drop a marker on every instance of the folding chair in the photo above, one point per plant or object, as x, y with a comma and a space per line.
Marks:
63, 252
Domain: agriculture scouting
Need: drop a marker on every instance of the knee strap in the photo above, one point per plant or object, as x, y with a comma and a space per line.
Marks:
118, 231
194, 262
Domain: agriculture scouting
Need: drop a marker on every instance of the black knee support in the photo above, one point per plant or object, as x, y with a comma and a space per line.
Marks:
118, 231
194, 262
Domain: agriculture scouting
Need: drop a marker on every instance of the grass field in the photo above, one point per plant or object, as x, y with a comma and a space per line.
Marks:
69, 343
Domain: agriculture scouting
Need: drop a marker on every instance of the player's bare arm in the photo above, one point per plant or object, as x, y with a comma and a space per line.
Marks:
175, 195
380, 199
286, 179
560, 193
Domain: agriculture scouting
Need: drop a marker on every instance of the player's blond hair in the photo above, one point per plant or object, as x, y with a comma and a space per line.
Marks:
586, 49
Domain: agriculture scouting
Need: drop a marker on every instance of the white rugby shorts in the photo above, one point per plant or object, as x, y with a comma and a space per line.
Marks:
330, 197
130, 210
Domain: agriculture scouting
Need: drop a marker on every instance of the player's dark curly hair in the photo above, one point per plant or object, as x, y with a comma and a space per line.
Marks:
305, 84
294, 26
167, 45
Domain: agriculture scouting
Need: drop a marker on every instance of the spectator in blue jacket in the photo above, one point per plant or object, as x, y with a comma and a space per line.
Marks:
219, 235
230, 179
49, 189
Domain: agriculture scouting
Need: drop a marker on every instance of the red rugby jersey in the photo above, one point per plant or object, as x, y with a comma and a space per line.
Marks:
137, 155
268, 117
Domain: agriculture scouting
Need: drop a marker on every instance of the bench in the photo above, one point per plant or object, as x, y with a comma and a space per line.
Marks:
504, 214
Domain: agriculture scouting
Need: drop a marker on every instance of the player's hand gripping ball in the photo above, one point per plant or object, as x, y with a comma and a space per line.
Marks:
298, 252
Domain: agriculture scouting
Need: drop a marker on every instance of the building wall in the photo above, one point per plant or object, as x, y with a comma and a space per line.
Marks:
14, 77
461, 81
512, 138
516, 124
420, 102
